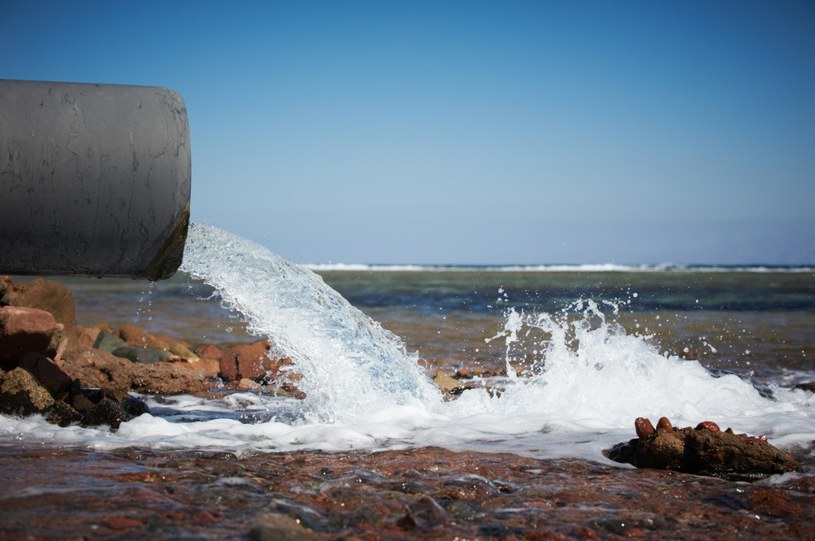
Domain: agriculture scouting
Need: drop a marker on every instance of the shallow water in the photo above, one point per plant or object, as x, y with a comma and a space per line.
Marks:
575, 372
375, 452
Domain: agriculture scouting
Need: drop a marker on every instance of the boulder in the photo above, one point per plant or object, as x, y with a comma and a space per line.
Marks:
109, 342
21, 394
24, 330
703, 450
98, 368
46, 295
47, 373
141, 354
246, 361
208, 351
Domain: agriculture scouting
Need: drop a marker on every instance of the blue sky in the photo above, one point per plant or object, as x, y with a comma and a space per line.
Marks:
471, 132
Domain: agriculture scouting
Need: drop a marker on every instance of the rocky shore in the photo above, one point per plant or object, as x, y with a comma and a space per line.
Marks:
49, 365
689, 482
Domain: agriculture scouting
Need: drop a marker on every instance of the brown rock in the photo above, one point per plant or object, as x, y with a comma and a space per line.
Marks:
21, 394
181, 352
665, 424
734, 456
47, 373
208, 351
246, 384
208, 368
643, 427
98, 368
24, 330
46, 295
446, 383
704, 450
708, 425
137, 336
246, 361
86, 336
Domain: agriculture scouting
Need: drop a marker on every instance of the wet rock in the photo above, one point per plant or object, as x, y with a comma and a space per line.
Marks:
48, 374
21, 394
106, 412
278, 527
449, 385
808, 386
24, 330
424, 513
246, 361
63, 414
141, 354
107, 406
107, 341
704, 450
98, 368
246, 384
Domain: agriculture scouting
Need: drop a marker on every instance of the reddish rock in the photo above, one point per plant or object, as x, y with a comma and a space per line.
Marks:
708, 425
46, 295
98, 368
643, 427
137, 336
86, 336
665, 424
208, 351
246, 361
24, 330
208, 368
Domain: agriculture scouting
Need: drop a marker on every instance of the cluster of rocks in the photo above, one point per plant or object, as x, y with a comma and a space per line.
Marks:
49, 365
703, 450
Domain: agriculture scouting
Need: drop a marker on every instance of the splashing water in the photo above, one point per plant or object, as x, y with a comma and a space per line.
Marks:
350, 364
575, 379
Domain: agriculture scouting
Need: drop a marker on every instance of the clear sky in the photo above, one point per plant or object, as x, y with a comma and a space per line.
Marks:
471, 132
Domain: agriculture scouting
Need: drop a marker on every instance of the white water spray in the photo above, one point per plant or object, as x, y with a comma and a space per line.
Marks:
581, 382
350, 364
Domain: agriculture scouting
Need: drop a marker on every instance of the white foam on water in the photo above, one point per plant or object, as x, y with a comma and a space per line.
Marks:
589, 380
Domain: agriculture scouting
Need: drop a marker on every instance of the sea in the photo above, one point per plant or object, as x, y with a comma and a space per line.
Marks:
560, 358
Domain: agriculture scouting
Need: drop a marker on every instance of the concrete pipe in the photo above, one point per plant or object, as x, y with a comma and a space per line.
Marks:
94, 179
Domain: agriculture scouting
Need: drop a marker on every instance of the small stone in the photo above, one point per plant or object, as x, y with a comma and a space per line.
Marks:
643, 427
246, 384
664, 424
278, 527
708, 425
